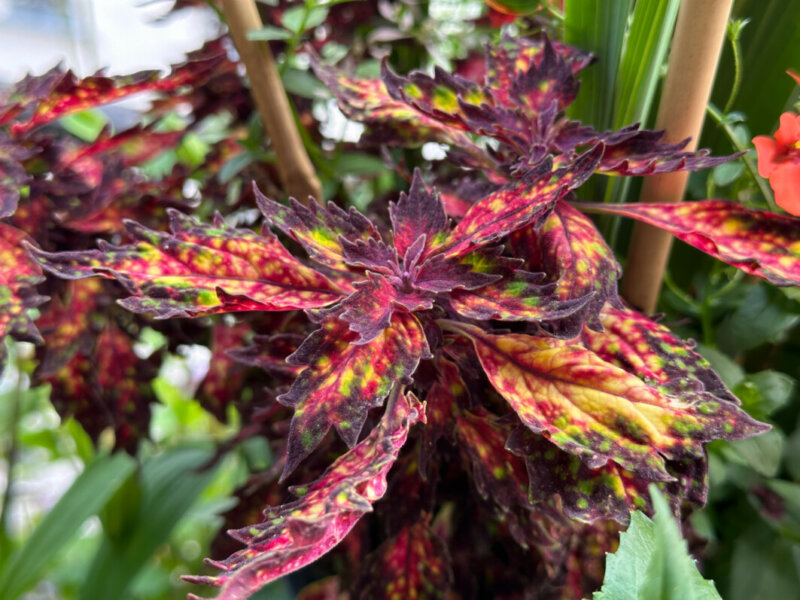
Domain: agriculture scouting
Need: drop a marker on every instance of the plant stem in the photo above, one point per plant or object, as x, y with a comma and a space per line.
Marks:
748, 160
699, 35
294, 167
5, 515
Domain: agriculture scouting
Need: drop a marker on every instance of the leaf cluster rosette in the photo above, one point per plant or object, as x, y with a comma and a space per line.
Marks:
492, 334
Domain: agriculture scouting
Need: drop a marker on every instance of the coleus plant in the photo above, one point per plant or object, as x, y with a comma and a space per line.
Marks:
487, 314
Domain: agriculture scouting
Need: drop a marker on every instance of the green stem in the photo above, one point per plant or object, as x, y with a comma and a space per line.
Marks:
679, 293
719, 117
737, 72
5, 514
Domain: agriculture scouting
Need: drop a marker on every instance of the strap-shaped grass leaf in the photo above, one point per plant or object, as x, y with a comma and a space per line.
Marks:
757, 242
199, 269
17, 275
650, 350
318, 229
519, 203
414, 564
572, 252
343, 380
296, 534
598, 411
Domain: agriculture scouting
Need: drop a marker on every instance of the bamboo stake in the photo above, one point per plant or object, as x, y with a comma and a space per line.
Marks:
294, 167
696, 47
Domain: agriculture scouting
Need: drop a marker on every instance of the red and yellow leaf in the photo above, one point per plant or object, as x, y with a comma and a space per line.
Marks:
412, 565
757, 242
420, 212
500, 476
343, 380
586, 494
107, 385
58, 93
650, 350
319, 230
575, 256
598, 411
199, 270
296, 534
17, 276
519, 203
389, 121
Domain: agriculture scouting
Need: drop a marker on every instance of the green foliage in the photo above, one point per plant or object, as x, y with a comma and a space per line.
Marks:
652, 562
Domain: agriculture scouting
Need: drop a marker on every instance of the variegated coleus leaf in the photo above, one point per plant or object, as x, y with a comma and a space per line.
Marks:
420, 212
521, 114
575, 256
36, 101
562, 481
443, 402
500, 476
518, 203
18, 275
634, 151
757, 242
198, 270
390, 121
598, 411
516, 295
414, 565
106, 385
296, 534
69, 324
343, 380
13, 174
319, 230
650, 350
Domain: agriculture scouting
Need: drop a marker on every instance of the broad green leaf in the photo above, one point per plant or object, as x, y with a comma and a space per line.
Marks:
170, 484
652, 562
298, 19
85, 125
757, 242
86, 497
295, 534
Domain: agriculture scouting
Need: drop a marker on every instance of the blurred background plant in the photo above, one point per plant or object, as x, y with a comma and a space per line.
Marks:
80, 520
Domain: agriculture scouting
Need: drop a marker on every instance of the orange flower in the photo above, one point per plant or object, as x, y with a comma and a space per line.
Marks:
779, 161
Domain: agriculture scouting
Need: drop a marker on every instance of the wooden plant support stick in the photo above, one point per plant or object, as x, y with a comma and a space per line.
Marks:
696, 47
294, 167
